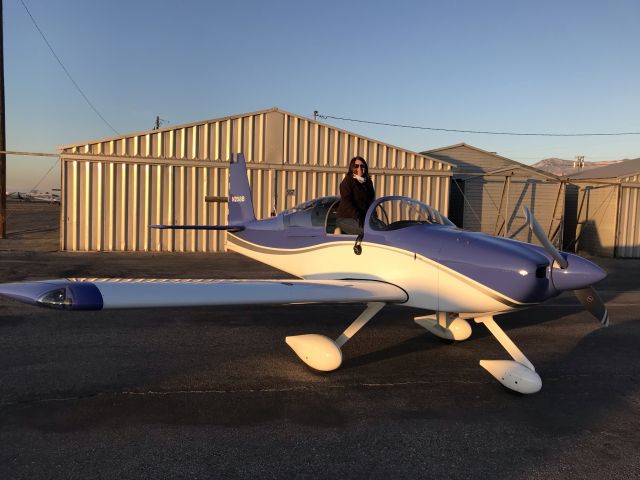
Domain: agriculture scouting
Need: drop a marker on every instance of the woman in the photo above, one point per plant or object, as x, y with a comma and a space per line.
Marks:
356, 195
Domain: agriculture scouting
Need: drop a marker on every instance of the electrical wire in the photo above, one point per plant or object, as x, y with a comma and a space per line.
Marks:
45, 175
481, 132
65, 69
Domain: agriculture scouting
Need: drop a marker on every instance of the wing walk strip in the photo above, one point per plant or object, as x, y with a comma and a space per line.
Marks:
493, 294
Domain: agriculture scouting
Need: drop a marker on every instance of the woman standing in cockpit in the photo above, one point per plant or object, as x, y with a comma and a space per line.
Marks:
356, 195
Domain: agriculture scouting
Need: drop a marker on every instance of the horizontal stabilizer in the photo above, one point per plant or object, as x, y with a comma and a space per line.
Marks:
231, 228
108, 293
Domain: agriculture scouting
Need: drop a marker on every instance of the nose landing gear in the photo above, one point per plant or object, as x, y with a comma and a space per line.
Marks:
447, 326
518, 374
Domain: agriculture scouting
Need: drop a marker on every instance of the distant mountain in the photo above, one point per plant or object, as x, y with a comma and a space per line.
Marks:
561, 167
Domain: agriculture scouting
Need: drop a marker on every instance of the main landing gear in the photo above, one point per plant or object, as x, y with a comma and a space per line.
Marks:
322, 353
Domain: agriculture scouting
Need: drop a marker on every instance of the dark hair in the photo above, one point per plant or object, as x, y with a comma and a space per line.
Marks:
353, 162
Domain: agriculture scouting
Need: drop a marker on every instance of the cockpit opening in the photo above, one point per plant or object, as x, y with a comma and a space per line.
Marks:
391, 213
318, 213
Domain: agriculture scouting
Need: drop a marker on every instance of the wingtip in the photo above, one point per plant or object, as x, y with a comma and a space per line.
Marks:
60, 294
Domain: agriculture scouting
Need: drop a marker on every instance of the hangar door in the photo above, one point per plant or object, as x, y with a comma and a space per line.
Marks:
628, 234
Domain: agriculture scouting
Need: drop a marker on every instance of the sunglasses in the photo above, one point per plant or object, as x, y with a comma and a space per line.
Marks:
359, 165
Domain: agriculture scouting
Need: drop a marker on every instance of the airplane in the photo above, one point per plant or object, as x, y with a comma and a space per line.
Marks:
43, 197
409, 255
35, 196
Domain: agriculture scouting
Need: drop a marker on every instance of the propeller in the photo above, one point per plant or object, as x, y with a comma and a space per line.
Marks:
587, 296
590, 299
542, 237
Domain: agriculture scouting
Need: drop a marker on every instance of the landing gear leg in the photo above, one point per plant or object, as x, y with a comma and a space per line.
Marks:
322, 353
518, 374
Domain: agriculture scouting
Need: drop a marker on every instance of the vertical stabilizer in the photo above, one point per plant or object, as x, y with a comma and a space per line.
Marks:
240, 204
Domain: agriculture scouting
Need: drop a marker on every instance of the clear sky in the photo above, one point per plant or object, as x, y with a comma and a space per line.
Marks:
520, 66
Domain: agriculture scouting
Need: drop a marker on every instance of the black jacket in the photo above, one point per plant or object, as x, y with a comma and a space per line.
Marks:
355, 198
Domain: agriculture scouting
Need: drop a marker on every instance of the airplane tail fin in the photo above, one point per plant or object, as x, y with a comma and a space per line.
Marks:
240, 203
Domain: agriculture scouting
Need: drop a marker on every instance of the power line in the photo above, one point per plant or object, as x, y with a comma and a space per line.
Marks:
65, 69
45, 175
477, 131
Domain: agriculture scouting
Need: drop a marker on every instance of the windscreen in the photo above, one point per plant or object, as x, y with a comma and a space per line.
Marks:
395, 213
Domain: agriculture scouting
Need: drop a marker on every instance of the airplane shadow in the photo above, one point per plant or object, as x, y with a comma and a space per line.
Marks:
419, 343
512, 321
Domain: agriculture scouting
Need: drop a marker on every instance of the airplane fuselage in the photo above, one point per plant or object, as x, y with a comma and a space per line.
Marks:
441, 267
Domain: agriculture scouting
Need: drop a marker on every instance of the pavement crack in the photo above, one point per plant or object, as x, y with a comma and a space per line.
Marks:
300, 388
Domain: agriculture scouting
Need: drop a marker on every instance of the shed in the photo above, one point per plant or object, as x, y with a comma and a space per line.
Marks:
607, 205
114, 188
488, 192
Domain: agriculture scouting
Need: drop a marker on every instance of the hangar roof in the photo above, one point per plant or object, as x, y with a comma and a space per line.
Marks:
470, 160
617, 170
439, 164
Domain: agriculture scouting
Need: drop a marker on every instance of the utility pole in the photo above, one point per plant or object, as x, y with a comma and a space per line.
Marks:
3, 141
158, 123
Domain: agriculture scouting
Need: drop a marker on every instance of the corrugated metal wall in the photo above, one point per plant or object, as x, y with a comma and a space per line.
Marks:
628, 239
490, 201
597, 205
108, 206
489, 192
607, 212
113, 189
628, 231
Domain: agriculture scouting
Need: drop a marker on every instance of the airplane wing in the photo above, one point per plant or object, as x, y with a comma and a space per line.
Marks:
113, 293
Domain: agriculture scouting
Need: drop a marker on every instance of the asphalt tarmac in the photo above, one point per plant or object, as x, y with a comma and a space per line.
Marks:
216, 393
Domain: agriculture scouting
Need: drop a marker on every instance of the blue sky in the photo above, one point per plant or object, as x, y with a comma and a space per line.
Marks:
524, 66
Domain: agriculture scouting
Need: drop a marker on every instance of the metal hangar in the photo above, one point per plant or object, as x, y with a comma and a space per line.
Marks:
114, 188
605, 206
488, 192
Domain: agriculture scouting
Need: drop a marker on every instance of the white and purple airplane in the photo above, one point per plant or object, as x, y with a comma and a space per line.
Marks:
409, 255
